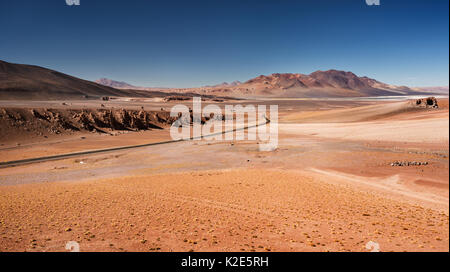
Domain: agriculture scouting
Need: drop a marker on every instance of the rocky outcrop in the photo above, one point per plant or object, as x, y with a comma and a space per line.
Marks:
176, 98
56, 121
429, 102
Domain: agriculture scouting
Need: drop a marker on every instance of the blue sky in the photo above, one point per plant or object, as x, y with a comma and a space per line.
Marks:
193, 43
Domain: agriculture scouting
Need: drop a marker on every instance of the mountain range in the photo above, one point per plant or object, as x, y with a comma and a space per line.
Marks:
21, 81
331, 83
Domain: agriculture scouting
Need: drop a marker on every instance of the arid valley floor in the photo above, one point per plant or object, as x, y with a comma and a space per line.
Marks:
339, 179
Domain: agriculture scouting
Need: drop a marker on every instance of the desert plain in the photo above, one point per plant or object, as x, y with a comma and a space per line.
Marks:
347, 174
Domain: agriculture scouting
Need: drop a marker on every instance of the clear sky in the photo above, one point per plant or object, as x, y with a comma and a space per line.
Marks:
193, 43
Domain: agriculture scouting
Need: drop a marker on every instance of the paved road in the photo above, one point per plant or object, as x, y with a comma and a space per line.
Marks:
106, 150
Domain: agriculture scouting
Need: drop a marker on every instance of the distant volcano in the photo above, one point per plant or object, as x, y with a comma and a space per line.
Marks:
115, 84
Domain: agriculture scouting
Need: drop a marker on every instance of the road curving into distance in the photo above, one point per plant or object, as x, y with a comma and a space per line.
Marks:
106, 150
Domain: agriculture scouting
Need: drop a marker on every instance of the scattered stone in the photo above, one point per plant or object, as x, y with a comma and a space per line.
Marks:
408, 163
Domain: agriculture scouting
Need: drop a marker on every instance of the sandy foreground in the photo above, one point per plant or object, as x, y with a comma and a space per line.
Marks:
330, 186
235, 210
